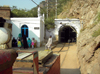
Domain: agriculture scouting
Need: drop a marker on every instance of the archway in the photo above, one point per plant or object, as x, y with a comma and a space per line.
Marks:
67, 33
24, 30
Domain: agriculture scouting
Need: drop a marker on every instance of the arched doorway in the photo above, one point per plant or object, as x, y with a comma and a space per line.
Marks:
24, 30
67, 33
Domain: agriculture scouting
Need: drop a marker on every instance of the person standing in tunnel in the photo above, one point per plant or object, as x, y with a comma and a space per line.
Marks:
49, 43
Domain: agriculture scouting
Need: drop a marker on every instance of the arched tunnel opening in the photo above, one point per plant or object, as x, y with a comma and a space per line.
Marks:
67, 34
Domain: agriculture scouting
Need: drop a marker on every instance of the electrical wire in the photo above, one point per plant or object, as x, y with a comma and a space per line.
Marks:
35, 2
38, 5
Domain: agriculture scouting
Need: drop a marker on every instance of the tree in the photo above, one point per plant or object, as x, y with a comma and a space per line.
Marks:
23, 12
49, 23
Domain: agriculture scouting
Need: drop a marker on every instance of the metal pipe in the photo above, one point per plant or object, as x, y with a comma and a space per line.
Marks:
56, 10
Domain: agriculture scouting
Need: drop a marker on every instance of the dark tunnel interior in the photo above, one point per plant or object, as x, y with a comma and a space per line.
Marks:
67, 34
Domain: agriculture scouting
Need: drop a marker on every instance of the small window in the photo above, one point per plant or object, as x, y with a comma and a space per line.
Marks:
36, 28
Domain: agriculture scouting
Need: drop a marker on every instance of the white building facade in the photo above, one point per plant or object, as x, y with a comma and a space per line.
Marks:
31, 27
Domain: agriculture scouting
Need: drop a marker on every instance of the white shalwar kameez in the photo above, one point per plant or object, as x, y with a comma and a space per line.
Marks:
48, 45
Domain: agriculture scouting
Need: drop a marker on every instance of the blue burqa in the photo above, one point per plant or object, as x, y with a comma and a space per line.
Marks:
29, 42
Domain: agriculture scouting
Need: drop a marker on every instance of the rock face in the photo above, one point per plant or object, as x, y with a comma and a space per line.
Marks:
89, 54
88, 47
85, 10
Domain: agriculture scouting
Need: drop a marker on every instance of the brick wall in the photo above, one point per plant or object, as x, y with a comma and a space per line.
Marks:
5, 12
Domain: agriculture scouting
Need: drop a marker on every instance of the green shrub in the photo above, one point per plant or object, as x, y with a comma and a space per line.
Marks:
96, 21
49, 23
82, 29
96, 33
94, 24
98, 16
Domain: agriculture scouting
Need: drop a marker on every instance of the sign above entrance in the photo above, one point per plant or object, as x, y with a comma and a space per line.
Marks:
36, 28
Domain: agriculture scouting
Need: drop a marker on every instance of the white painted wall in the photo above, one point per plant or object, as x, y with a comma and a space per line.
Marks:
50, 32
71, 22
31, 23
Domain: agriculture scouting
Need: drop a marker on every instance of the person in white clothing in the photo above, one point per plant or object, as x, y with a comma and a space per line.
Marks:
49, 43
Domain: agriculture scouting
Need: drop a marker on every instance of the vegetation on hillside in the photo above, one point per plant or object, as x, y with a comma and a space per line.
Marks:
15, 12
97, 32
96, 21
98, 18
65, 9
49, 22
52, 11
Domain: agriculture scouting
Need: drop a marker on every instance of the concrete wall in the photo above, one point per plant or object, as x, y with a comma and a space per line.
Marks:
42, 29
5, 12
50, 32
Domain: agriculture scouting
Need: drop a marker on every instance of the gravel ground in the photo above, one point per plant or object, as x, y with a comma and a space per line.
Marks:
68, 58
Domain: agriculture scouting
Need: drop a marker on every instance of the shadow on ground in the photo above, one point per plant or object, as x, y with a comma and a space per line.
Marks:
70, 71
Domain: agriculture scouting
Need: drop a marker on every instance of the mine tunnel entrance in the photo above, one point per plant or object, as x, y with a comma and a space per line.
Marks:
67, 33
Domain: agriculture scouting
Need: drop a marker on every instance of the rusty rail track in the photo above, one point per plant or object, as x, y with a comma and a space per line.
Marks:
65, 51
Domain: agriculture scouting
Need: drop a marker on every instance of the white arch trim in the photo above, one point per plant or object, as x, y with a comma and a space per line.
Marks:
71, 25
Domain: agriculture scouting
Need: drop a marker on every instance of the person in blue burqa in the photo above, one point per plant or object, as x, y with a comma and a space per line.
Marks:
29, 42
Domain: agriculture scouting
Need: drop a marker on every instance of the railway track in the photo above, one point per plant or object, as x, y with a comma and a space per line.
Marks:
62, 49
68, 58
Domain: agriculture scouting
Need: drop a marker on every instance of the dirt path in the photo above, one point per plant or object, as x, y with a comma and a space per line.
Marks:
68, 59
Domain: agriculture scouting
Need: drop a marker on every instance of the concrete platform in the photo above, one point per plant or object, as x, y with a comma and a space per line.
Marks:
42, 48
52, 66
44, 56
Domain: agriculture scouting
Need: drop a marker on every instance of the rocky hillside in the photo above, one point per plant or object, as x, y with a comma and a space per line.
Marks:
88, 42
